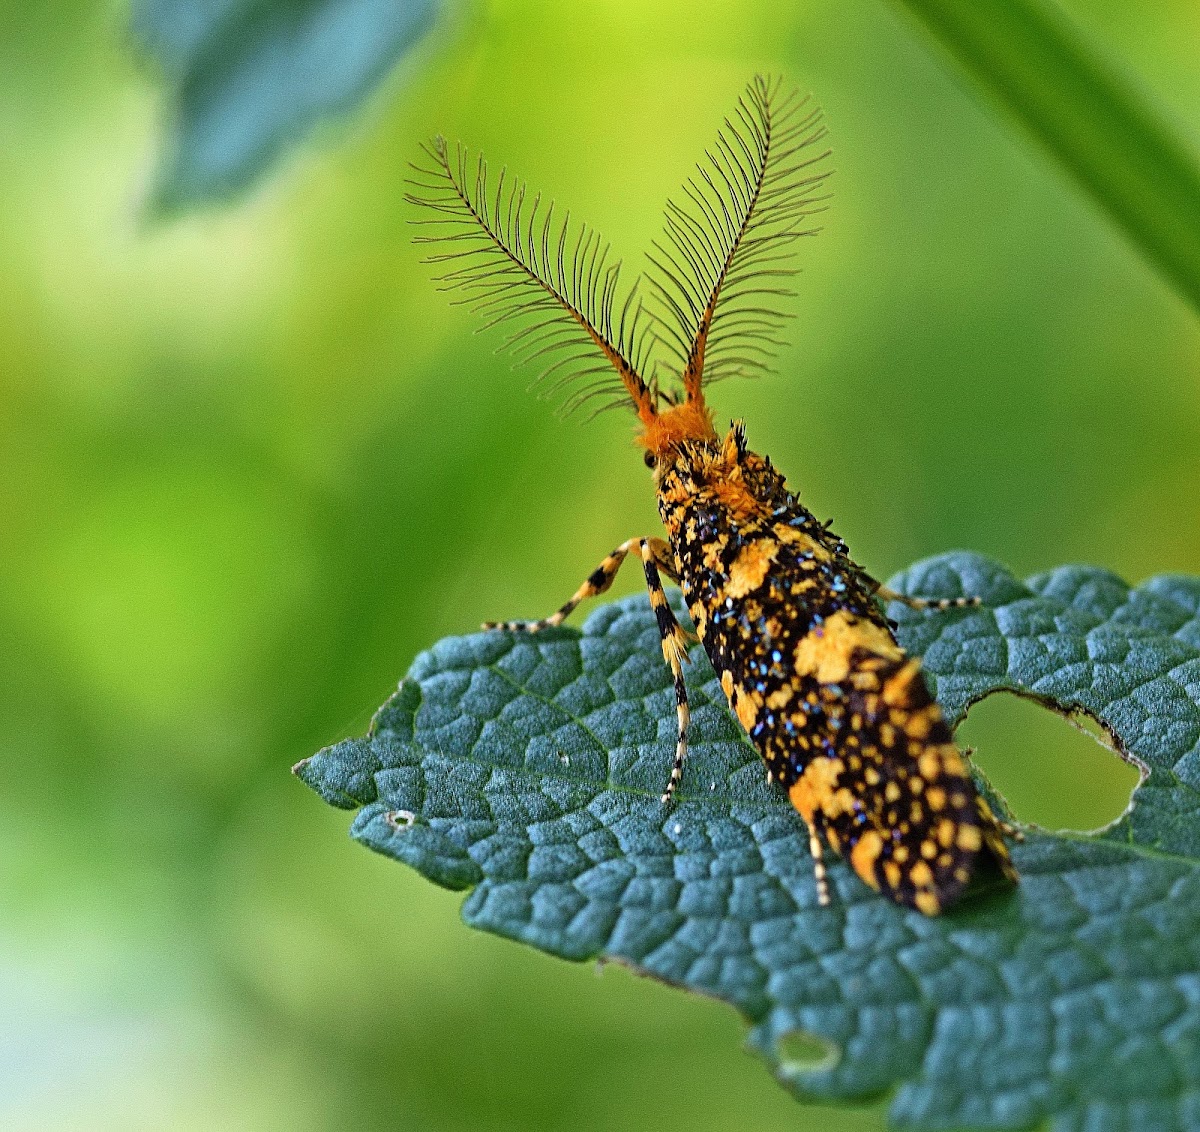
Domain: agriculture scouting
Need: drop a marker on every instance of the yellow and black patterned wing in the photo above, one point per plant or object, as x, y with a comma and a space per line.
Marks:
841, 715
897, 800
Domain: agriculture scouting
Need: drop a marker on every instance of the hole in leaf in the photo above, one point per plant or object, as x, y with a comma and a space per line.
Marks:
800, 1052
1055, 772
400, 819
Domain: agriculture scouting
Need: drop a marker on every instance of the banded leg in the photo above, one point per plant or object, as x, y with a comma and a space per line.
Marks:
655, 555
935, 603
817, 849
598, 581
1007, 829
674, 647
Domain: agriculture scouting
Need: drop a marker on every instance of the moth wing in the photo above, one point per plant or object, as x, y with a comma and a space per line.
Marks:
898, 800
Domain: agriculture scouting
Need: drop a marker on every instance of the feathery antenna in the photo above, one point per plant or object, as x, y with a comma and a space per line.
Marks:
515, 261
720, 268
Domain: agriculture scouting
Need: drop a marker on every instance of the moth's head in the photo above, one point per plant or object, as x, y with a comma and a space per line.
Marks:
684, 440
665, 430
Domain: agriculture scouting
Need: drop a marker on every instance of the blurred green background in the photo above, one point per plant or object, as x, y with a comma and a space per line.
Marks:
252, 463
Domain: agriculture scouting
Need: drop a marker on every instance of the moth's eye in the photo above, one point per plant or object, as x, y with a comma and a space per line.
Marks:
650, 459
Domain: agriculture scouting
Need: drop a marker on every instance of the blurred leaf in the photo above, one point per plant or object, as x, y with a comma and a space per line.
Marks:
250, 78
1091, 116
529, 770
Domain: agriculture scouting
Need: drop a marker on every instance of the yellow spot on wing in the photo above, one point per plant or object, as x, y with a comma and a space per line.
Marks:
779, 697
751, 567
814, 789
927, 903
921, 875
864, 855
746, 709
930, 765
919, 723
826, 652
713, 552
795, 537
952, 761
969, 838
895, 690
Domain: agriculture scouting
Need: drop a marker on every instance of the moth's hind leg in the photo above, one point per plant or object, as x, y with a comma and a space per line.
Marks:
935, 603
996, 829
817, 849
598, 581
989, 817
1009, 830
674, 647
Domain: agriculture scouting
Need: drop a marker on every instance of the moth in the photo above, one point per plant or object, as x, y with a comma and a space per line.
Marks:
794, 628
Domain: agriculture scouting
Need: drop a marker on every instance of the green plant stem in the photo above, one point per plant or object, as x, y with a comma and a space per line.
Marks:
1093, 118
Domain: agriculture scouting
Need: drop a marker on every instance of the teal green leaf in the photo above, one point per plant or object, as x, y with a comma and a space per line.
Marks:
527, 770
249, 79
1092, 118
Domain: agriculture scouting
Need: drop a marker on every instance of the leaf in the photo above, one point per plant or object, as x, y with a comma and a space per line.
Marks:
528, 771
249, 79
1092, 118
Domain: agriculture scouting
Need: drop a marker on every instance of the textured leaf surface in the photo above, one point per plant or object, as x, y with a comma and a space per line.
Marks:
528, 771
249, 78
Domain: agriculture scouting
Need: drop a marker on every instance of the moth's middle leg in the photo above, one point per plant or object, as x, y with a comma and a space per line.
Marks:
817, 849
935, 603
674, 647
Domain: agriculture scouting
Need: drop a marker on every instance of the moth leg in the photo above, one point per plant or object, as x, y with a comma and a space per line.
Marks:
817, 850
1006, 829
938, 603
598, 581
664, 559
655, 554
990, 819
674, 647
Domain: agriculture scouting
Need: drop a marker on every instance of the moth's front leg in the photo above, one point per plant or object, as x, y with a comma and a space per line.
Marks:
655, 555
598, 581
674, 647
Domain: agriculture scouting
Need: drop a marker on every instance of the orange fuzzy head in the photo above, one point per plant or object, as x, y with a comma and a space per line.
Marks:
664, 431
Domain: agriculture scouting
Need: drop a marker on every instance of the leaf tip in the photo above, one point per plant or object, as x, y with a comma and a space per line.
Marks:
341, 774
